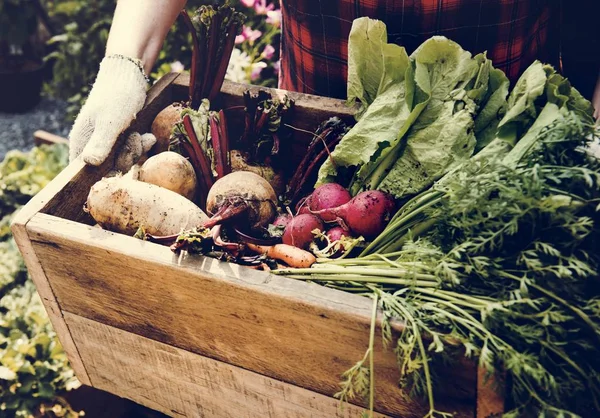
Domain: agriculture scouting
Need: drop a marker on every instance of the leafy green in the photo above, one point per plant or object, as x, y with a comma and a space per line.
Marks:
508, 268
418, 116
443, 135
373, 64
386, 101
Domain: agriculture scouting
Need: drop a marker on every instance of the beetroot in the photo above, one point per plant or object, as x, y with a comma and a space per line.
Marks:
366, 214
330, 195
299, 230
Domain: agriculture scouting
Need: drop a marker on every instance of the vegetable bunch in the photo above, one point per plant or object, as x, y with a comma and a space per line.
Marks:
501, 254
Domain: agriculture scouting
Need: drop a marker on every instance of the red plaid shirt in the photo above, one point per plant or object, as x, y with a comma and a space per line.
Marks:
314, 46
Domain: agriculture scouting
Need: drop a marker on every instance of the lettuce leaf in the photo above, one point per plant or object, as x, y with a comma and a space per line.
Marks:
376, 74
453, 84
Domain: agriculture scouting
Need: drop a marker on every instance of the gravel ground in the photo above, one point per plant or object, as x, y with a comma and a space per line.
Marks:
16, 130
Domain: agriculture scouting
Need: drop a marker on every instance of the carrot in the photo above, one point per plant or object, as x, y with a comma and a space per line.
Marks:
292, 256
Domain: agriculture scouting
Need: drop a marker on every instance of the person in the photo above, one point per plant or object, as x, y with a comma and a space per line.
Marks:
313, 52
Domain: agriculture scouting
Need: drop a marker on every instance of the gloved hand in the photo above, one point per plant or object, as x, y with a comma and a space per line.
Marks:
135, 146
117, 96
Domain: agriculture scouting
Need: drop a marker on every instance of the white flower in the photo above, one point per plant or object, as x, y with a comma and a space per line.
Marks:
238, 66
257, 68
177, 67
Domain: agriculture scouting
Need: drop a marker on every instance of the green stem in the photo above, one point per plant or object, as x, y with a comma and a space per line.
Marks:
402, 218
362, 279
361, 271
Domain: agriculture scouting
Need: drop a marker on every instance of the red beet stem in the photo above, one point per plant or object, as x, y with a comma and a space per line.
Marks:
196, 54
227, 212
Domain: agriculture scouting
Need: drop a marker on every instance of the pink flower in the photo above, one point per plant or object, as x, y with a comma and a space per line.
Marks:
274, 17
268, 52
247, 3
277, 66
257, 69
261, 8
248, 35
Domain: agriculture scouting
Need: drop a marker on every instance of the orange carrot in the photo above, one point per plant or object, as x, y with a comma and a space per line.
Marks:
292, 256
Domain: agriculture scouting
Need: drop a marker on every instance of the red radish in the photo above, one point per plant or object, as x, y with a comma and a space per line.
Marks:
336, 233
330, 195
299, 230
282, 220
366, 214
302, 206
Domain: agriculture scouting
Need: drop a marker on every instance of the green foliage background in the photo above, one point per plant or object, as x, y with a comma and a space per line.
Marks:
84, 25
34, 370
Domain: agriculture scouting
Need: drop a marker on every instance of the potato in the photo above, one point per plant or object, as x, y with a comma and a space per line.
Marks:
122, 205
239, 163
171, 171
162, 126
249, 187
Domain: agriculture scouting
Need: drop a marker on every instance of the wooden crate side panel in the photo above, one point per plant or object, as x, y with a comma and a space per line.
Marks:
285, 329
180, 383
48, 299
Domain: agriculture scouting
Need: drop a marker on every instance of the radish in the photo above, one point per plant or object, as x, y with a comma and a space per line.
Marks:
299, 230
366, 214
336, 233
302, 206
121, 204
330, 195
282, 220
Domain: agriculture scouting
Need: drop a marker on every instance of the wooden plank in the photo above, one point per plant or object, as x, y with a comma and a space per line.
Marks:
42, 285
180, 383
293, 331
46, 138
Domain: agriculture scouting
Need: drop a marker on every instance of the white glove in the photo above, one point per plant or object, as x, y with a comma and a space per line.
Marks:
116, 97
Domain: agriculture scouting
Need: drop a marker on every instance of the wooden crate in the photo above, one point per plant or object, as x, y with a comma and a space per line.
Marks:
192, 336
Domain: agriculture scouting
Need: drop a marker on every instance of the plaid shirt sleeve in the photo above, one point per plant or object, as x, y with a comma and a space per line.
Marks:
314, 43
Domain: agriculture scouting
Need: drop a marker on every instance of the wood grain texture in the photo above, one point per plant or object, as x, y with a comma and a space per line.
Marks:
293, 331
180, 383
21, 236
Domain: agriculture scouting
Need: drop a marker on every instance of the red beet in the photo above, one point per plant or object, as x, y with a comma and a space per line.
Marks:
366, 214
330, 195
299, 230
